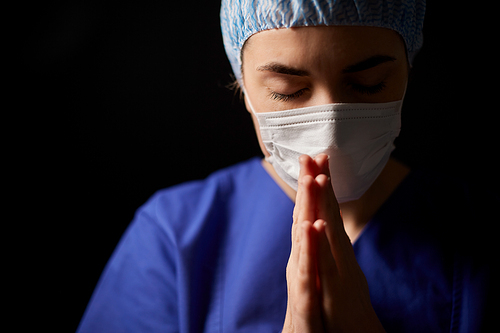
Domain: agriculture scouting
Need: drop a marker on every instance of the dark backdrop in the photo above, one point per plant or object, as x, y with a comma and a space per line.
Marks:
121, 99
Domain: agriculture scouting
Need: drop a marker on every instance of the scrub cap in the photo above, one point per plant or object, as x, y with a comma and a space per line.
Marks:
240, 19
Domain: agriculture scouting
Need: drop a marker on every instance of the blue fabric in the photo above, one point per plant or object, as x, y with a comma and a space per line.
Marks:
210, 256
240, 19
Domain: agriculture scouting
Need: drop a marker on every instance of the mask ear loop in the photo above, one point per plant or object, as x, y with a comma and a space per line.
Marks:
404, 93
269, 158
247, 99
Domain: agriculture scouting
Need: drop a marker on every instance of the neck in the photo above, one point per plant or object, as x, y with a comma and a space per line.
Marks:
357, 213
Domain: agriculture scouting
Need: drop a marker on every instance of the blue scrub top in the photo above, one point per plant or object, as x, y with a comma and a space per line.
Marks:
210, 256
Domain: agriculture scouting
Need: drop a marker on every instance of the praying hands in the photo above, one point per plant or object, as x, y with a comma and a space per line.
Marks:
327, 291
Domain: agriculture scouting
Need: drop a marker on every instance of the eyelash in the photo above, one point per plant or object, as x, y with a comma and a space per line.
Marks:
359, 88
369, 90
286, 98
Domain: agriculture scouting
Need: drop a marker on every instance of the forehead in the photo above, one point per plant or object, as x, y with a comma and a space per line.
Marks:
321, 47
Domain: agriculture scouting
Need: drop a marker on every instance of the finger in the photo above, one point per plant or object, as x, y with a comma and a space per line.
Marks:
295, 249
306, 300
291, 269
305, 207
322, 164
307, 204
327, 205
307, 166
328, 276
328, 210
304, 204
306, 268
326, 262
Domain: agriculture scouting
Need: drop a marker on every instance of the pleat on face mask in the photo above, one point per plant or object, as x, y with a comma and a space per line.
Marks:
358, 138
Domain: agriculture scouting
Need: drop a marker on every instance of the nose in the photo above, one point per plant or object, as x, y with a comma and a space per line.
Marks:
329, 94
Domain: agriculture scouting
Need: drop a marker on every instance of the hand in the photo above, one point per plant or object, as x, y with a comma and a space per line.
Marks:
327, 291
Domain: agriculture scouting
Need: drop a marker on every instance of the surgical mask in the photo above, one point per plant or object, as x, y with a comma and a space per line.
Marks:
358, 138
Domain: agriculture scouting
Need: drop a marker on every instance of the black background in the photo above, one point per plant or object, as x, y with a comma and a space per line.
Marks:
115, 100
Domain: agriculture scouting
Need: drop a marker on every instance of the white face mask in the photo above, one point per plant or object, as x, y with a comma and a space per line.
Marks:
357, 137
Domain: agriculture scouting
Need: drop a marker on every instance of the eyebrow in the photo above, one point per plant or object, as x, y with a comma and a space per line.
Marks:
357, 67
282, 69
368, 63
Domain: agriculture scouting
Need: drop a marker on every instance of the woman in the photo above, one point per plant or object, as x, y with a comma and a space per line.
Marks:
371, 248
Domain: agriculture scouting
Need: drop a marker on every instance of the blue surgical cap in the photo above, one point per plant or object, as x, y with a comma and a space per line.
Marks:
240, 19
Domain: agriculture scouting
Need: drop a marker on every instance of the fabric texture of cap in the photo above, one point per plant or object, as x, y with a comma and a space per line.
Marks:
240, 19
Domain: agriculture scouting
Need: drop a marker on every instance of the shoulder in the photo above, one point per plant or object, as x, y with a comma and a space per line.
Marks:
200, 199
463, 206
442, 193
219, 183
439, 215
457, 216
434, 232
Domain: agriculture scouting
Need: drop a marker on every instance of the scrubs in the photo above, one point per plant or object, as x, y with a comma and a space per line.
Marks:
210, 256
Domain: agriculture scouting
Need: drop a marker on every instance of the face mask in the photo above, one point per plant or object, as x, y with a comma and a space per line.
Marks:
358, 138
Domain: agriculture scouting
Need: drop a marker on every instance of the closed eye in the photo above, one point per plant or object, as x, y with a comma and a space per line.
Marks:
371, 90
286, 98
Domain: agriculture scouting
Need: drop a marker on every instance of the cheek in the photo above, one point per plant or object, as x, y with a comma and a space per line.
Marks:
400, 85
402, 77
394, 90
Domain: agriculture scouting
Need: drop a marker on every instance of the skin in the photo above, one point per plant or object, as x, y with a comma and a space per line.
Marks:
299, 67
325, 53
